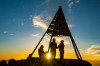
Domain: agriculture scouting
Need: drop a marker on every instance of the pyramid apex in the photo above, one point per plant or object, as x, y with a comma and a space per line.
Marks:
59, 7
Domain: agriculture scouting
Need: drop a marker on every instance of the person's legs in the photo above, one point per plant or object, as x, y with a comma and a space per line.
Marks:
61, 55
54, 54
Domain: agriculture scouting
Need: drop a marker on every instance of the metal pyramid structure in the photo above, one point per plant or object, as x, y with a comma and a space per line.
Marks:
59, 27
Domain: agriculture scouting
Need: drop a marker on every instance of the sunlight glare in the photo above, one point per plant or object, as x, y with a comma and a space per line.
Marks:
48, 55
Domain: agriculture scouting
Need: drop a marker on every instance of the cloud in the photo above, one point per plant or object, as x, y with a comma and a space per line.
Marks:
94, 49
22, 23
70, 51
66, 41
5, 32
35, 35
44, 3
70, 25
71, 3
39, 21
77, 1
11, 34
47, 38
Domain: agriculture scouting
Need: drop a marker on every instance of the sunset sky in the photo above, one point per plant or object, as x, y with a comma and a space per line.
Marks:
23, 22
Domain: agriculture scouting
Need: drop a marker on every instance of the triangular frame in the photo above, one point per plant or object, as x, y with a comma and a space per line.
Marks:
57, 32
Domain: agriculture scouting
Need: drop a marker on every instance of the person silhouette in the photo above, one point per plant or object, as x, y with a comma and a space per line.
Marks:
61, 49
53, 46
41, 51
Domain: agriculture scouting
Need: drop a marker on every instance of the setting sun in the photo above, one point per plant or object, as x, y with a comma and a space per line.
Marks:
49, 55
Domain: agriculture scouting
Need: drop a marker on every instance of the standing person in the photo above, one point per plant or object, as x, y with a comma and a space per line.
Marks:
53, 46
61, 49
41, 51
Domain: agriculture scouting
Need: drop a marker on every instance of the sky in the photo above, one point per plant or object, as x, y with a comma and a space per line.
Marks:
23, 22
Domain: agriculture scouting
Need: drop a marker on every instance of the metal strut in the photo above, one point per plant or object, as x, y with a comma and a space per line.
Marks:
30, 55
75, 48
50, 42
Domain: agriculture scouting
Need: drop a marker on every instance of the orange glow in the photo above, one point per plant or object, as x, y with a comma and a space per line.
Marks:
67, 55
48, 55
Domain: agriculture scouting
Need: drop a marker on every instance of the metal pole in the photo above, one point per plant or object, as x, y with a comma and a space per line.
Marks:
38, 43
49, 43
78, 52
79, 55
74, 46
76, 49
30, 55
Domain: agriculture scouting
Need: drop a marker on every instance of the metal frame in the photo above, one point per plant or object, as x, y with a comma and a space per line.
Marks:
70, 35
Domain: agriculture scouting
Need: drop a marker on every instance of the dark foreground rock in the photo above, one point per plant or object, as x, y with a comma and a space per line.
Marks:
45, 62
